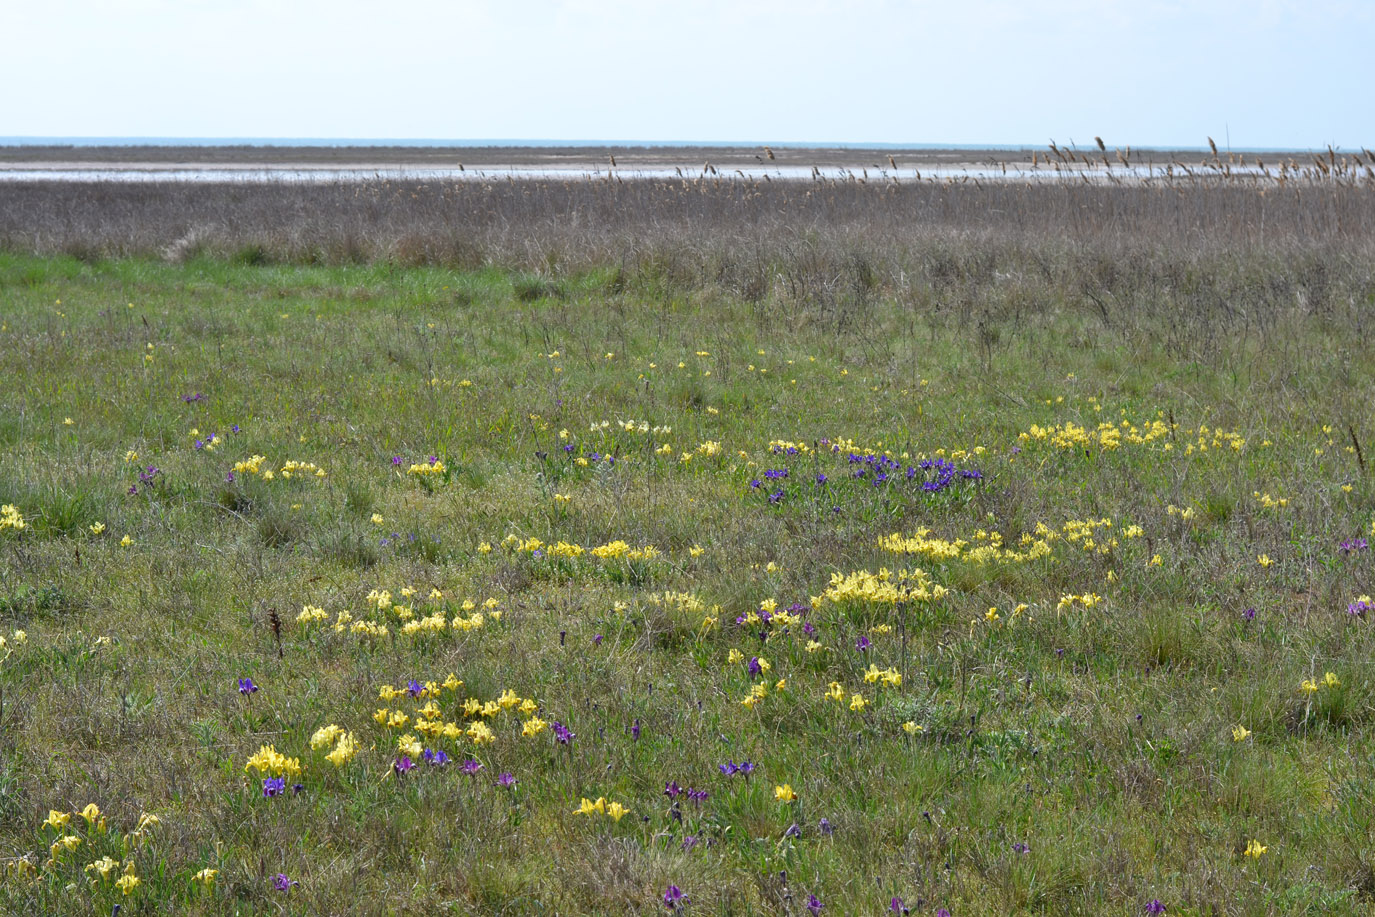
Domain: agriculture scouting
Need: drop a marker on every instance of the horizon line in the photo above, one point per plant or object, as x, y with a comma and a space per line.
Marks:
483, 142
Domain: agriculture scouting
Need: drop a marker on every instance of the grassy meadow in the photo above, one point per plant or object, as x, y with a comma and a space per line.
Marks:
824, 567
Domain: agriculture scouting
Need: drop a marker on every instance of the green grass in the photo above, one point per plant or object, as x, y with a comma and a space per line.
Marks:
1099, 733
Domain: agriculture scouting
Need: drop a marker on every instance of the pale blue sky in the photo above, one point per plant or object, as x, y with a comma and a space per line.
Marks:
1272, 73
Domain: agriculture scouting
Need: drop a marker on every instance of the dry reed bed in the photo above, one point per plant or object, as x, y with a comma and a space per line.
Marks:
1214, 255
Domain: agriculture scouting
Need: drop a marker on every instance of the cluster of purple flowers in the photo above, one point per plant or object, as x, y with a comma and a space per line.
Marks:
435, 758
730, 768
147, 478
191, 399
276, 786
1352, 545
562, 733
1358, 608
672, 790
930, 476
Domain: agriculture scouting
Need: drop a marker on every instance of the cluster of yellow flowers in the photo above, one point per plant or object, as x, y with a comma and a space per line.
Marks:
615, 550
1106, 436
67, 841
612, 810
1069, 600
344, 742
311, 613
884, 587
105, 865
1109, 436
760, 691
612, 550
1270, 502
293, 467
252, 465
986, 547
10, 517
427, 468
429, 720
1218, 438
267, 760
890, 676
1311, 685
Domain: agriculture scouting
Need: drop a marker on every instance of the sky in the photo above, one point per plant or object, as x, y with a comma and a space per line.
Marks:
1258, 74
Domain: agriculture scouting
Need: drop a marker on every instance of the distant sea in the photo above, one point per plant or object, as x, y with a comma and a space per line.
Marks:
509, 142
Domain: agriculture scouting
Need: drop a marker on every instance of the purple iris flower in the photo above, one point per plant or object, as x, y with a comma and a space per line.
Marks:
273, 786
1155, 907
414, 688
246, 686
506, 779
862, 643
470, 767
561, 732
897, 906
754, 667
674, 898
402, 764
814, 905
282, 883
